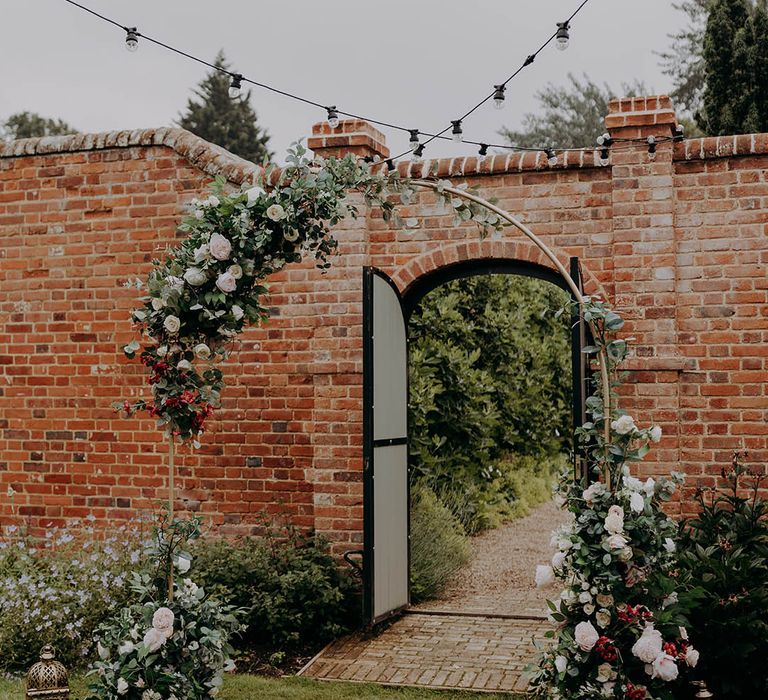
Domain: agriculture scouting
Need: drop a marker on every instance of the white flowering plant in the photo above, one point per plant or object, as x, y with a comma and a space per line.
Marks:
621, 633
165, 645
208, 288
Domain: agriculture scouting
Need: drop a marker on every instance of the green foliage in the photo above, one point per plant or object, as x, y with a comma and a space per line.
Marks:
291, 588
570, 116
439, 546
26, 125
724, 558
229, 123
735, 53
489, 377
58, 589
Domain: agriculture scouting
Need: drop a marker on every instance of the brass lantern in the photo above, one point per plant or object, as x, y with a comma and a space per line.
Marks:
47, 679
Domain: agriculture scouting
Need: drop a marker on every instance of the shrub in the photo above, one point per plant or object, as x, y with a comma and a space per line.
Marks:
59, 588
288, 583
724, 556
439, 547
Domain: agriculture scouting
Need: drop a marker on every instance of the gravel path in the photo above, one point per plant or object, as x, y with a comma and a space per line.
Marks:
499, 578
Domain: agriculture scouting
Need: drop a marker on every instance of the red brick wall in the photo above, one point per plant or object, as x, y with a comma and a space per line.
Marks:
678, 244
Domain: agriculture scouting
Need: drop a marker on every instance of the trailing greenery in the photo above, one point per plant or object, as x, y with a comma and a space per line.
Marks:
724, 559
439, 545
227, 122
286, 581
489, 377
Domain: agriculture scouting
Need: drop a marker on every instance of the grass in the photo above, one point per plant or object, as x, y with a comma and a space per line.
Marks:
244, 687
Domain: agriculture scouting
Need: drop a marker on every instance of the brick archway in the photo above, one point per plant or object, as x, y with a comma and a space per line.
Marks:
488, 249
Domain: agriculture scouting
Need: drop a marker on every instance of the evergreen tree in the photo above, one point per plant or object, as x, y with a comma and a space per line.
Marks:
570, 117
230, 123
27, 125
735, 68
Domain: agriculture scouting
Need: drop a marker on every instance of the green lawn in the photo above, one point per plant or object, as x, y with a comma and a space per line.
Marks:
242, 687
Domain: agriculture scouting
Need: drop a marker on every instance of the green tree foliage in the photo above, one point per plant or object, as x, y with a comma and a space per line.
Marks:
735, 53
27, 125
230, 123
489, 377
570, 116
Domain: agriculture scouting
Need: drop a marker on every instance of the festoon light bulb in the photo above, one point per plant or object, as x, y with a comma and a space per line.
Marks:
551, 157
498, 96
651, 141
235, 87
333, 117
418, 152
456, 132
131, 39
482, 154
562, 38
604, 142
414, 140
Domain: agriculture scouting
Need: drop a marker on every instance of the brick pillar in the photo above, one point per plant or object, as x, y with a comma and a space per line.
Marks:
645, 260
350, 136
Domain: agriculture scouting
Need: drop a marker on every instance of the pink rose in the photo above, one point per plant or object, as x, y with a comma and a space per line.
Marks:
219, 247
586, 636
226, 282
665, 668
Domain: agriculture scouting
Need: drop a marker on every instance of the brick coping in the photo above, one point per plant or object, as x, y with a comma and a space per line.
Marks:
214, 160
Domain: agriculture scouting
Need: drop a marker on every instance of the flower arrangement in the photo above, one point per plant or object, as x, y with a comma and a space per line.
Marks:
621, 633
161, 649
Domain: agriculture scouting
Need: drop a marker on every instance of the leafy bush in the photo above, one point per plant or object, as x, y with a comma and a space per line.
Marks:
58, 589
439, 547
724, 556
288, 583
489, 377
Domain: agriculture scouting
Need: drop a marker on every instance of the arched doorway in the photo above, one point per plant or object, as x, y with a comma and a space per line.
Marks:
386, 559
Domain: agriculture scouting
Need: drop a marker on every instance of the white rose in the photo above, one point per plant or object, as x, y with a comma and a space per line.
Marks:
212, 201
586, 636
648, 646
633, 484
589, 494
226, 282
614, 521
126, 647
626, 554
585, 597
202, 351
157, 303
692, 657
545, 576
637, 503
683, 633
183, 564
122, 686
195, 276
172, 324
154, 639
236, 271
561, 663
220, 247
649, 487
624, 425
174, 282
163, 620
276, 212
617, 541
558, 560
665, 668
202, 253
199, 214
604, 673
608, 690
162, 351
603, 618
253, 194
237, 312
588, 609
184, 365
292, 235
671, 599
103, 651
656, 433
669, 545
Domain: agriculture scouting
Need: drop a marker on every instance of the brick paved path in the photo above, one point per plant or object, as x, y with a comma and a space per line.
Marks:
450, 650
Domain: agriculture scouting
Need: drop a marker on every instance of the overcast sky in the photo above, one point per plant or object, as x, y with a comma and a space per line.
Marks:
419, 63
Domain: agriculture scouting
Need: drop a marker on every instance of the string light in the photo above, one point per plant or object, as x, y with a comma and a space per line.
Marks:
551, 157
235, 86
333, 117
457, 133
131, 39
483, 152
651, 141
498, 96
562, 37
679, 134
604, 142
414, 142
418, 152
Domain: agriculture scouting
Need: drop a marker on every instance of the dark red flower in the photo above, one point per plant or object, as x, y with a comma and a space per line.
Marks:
606, 649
